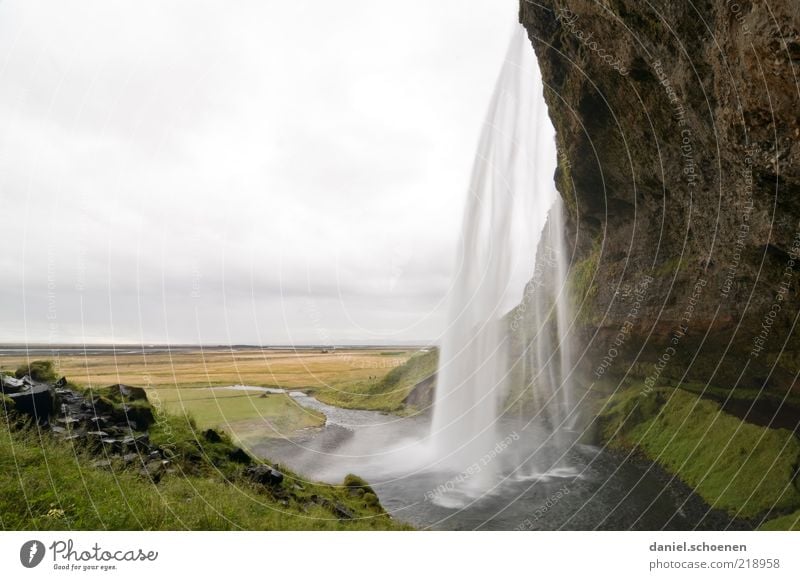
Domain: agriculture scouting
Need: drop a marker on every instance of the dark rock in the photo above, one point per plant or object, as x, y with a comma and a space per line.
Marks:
239, 455
153, 470
61, 383
36, 401
265, 475
10, 385
139, 418
342, 511
676, 166
212, 436
127, 393
421, 396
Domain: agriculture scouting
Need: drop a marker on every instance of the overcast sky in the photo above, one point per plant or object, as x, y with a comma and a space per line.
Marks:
237, 172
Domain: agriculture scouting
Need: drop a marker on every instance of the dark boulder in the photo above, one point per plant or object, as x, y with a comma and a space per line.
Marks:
265, 475
239, 455
35, 400
212, 436
10, 385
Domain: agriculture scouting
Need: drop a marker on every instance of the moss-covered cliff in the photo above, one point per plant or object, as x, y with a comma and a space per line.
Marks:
679, 140
677, 126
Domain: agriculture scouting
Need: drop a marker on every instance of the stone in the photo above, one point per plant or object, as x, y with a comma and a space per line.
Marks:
239, 455
10, 385
265, 475
212, 436
342, 511
127, 393
646, 149
37, 401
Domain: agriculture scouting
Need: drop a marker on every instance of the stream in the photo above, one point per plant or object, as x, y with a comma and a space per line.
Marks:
600, 489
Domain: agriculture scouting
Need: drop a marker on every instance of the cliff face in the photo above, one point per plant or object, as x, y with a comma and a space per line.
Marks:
678, 129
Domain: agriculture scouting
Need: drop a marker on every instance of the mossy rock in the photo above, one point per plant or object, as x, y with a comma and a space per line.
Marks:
745, 469
357, 486
125, 393
42, 371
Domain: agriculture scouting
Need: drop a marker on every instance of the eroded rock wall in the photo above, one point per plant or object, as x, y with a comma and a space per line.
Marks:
678, 130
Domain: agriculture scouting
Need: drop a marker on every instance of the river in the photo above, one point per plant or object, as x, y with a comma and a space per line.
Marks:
601, 490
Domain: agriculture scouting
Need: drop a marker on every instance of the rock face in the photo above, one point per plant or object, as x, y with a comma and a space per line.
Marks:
679, 147
30, 397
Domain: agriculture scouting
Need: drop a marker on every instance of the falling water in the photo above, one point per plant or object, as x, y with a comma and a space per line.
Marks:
510, 196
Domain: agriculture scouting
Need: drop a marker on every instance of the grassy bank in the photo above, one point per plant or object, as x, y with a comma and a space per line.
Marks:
47, 484
389, 393
747, 470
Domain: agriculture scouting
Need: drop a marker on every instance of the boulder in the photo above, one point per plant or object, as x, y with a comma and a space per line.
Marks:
265, 475
10, 385
239, 455
36, 400
212, 436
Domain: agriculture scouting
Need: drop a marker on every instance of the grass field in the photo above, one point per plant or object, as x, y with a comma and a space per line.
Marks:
180, 383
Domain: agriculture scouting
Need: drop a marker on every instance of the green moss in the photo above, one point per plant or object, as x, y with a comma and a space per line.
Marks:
582, 283
6, 403
790, 523
736, 466
39, 370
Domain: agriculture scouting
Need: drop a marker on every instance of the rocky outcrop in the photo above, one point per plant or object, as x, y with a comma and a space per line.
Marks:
678, 139
29, 397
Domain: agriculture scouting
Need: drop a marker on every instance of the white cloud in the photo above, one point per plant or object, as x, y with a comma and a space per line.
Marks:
301, 165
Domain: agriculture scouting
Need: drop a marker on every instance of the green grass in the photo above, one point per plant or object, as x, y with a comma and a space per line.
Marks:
387, 394
741, 468
46, 484
242, 413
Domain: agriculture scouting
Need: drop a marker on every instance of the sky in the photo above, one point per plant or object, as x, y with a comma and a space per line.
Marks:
238, 172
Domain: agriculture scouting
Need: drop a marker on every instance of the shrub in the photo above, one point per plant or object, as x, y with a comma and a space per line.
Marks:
39, 370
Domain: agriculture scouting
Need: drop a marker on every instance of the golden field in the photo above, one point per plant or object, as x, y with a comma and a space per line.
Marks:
181, 382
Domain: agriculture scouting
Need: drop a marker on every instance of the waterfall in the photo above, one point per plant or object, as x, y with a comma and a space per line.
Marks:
506, 218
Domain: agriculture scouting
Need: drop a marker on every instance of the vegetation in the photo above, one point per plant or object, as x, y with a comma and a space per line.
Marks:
48, 484
6, 403
39, 370
582, 283
786, 523
389, 393
747, 470
243, 413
